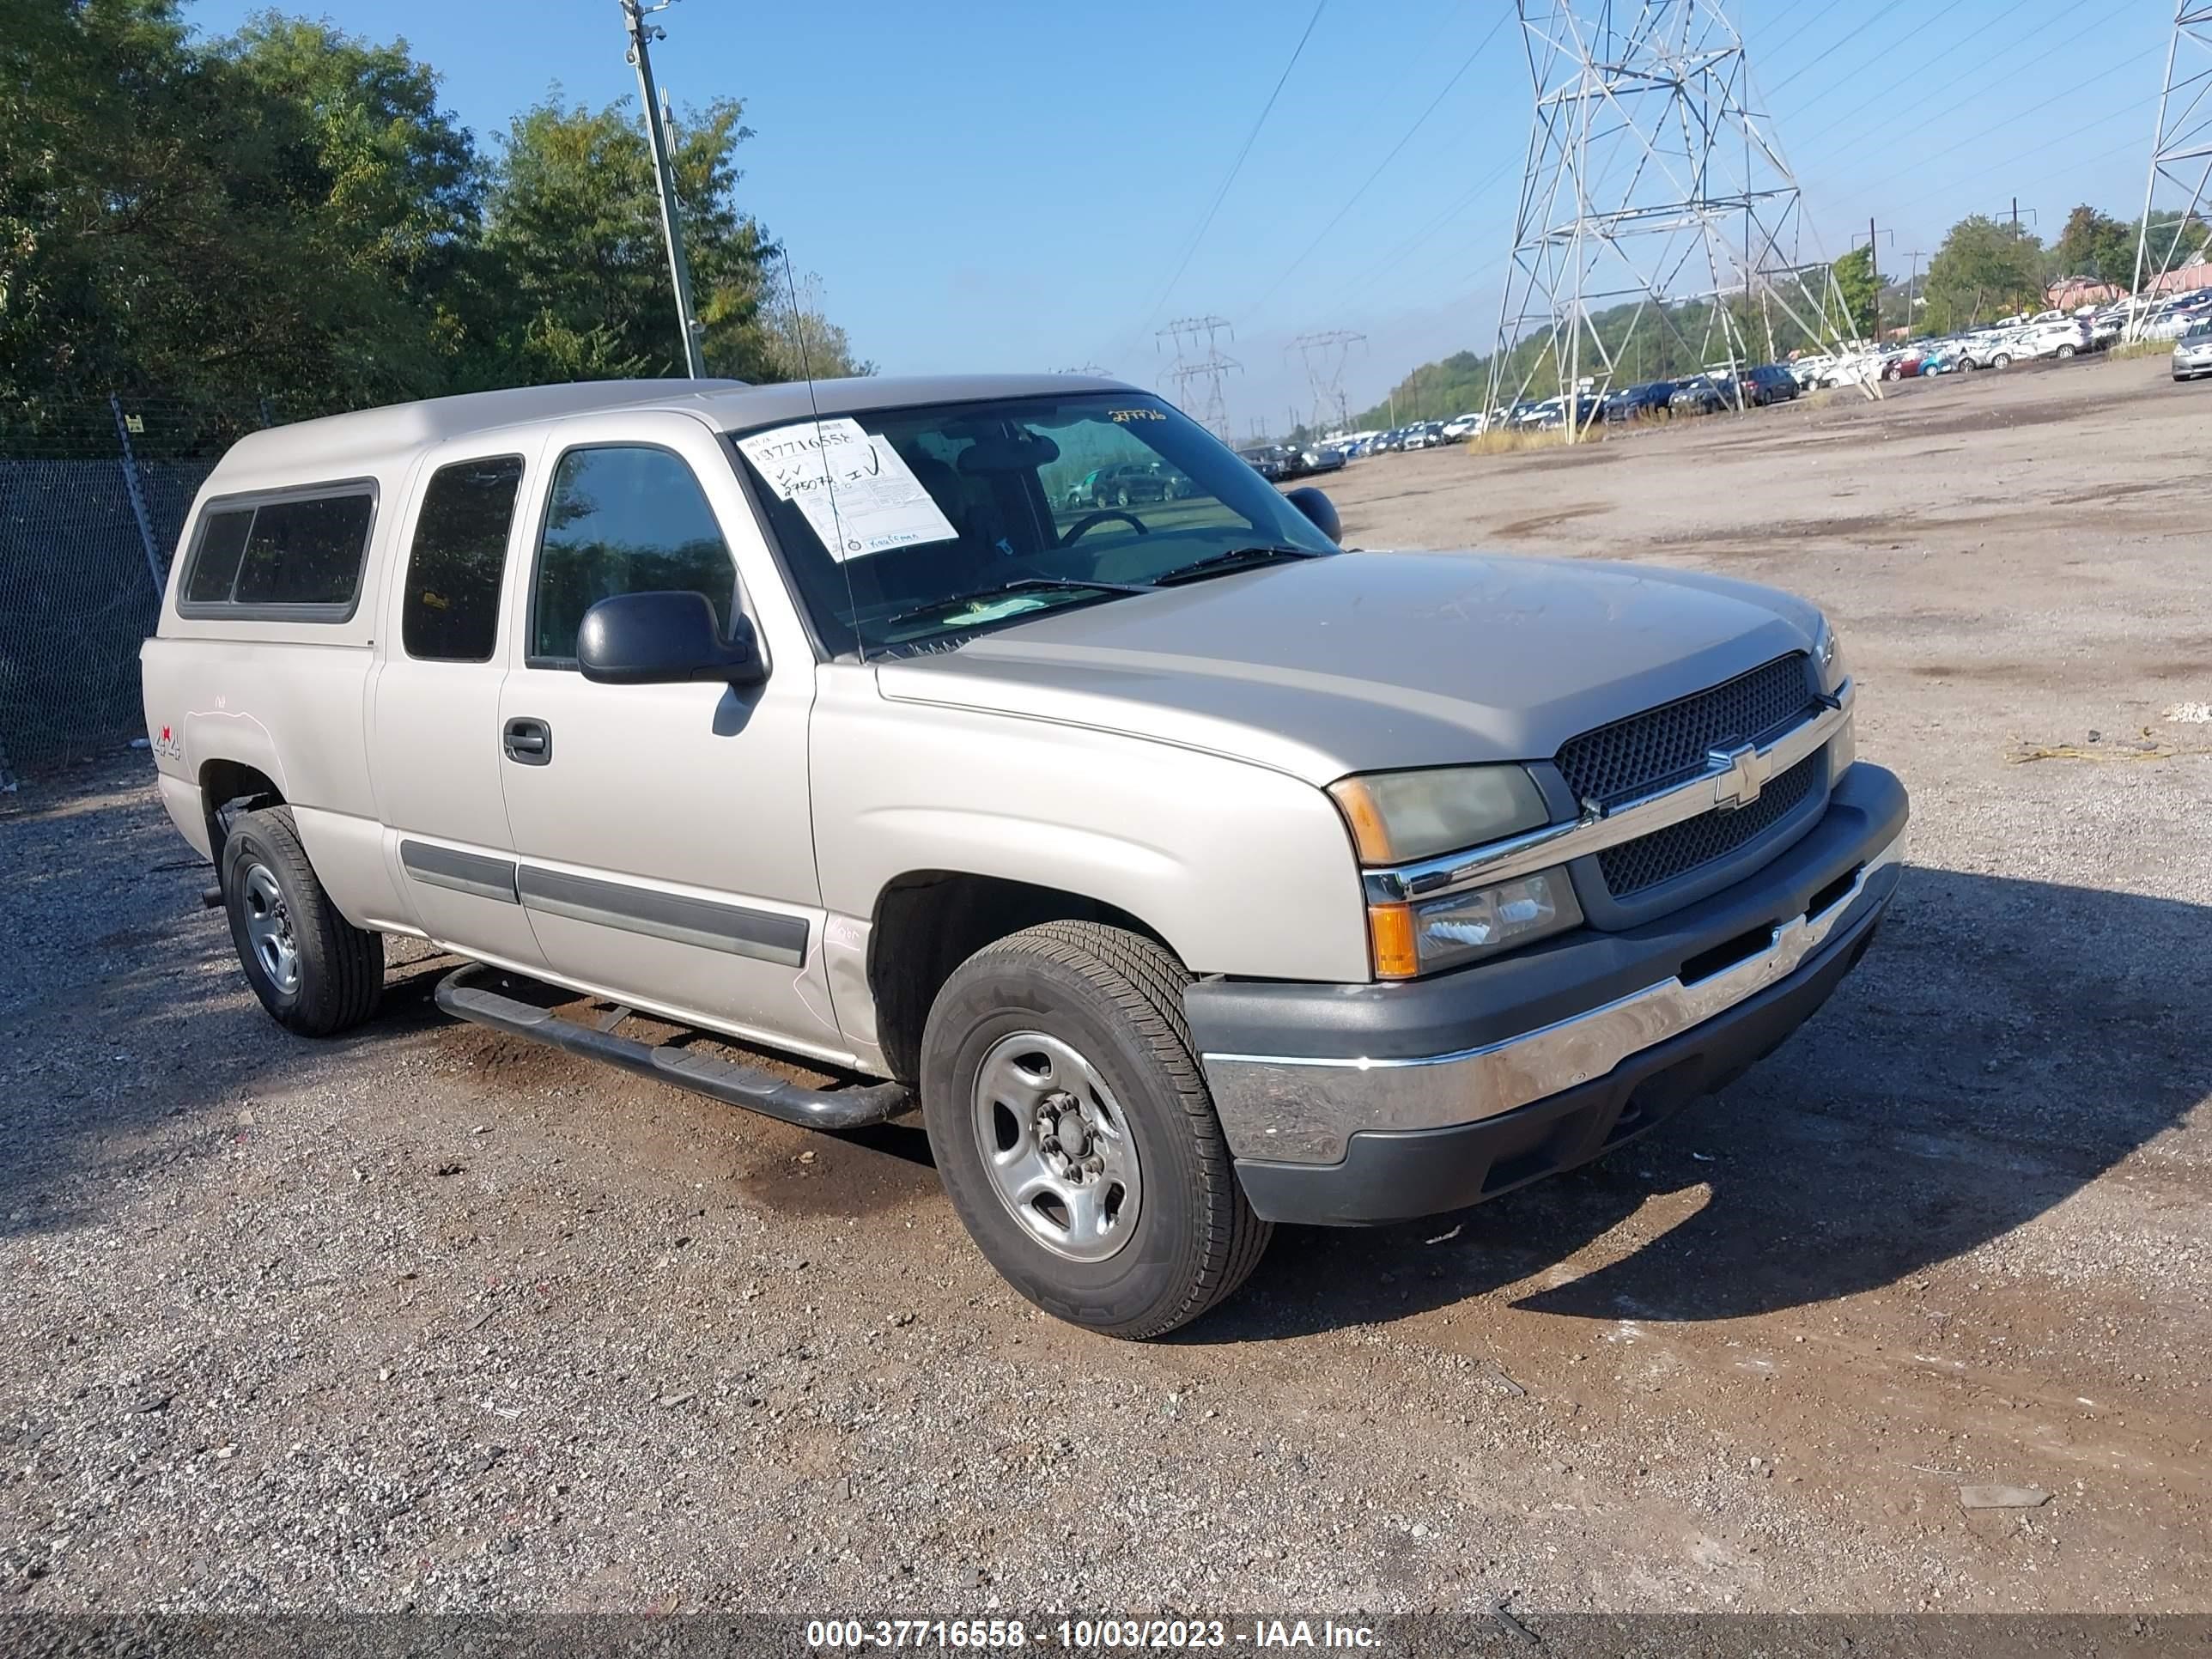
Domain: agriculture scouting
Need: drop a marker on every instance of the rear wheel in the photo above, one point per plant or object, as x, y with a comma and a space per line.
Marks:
2067, 351
315, 972
2001, 360
1074, 1134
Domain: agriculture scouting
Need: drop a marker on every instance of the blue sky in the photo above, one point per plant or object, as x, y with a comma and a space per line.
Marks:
986, 185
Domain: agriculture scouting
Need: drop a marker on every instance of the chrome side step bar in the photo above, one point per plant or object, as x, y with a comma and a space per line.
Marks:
719, 1079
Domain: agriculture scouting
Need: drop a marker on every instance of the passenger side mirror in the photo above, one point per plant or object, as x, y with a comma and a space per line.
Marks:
661, 639
1319, 508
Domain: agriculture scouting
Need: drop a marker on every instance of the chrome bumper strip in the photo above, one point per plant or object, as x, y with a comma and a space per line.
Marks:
1302, 1109
1731, 778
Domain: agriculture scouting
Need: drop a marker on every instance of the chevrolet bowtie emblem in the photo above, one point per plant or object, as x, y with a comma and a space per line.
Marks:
1739, 773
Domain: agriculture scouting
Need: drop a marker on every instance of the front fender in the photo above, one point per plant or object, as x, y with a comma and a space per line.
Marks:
1241, 870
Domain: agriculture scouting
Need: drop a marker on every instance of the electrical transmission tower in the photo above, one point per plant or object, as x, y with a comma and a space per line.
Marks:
1323, 355
1655, 201
2180, 152
1199, 366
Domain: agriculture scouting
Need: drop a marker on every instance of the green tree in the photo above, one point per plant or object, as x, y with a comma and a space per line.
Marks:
1982, 270
1861, 288
180, 219
573, 227
802, 341
2093, 244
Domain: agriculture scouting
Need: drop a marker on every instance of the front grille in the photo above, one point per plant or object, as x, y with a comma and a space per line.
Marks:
1667, 744
1680, 848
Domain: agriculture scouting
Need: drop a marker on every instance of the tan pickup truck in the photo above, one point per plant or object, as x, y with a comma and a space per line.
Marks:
1188, 873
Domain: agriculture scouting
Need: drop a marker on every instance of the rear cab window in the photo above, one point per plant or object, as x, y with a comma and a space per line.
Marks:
292, 556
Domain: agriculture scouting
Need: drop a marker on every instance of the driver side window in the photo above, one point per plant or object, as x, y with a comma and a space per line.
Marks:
624, 519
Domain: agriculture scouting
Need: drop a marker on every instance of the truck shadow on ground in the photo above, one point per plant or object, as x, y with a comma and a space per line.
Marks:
2003, 1044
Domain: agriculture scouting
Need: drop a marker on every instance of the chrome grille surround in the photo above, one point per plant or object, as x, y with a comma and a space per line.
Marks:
1717, 783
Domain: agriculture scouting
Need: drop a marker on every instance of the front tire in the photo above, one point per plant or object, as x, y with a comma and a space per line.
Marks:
1073, 1129
315, 972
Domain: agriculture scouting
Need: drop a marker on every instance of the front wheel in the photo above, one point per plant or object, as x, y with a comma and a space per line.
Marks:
1073, 1129
315, 972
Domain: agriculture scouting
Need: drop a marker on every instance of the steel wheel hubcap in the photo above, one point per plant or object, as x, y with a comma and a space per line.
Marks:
268, 928
1055, 1147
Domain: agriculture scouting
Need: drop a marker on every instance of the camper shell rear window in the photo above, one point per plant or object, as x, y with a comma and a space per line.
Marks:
280, 555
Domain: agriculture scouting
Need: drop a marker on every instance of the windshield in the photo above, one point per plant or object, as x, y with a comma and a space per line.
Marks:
1040, 494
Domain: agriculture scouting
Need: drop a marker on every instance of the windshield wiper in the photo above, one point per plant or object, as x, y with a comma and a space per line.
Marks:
1020, 584
1231, 559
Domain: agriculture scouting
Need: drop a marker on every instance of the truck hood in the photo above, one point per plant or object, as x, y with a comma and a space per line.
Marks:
1368, 661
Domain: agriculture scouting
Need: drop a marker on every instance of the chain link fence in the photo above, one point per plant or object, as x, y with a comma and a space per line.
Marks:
93, 500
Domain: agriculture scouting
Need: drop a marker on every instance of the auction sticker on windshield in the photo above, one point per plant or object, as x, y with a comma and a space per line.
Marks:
857, 493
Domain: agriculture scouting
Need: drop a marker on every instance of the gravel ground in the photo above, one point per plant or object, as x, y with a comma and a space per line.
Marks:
430, 1317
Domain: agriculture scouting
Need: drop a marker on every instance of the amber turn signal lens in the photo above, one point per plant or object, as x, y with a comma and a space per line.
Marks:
1390, 934
1370, 835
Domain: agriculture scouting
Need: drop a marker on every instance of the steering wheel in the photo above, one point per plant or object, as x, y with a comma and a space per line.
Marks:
1091, 521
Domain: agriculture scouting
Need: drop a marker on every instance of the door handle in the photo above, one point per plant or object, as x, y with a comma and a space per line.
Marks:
529, 741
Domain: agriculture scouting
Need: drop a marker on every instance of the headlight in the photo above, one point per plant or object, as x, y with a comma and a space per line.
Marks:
1397, 816
1828, 657
1410, 940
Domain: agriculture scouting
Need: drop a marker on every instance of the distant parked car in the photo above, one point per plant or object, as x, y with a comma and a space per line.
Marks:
1266, 460
1767, 383
1120, 486
2192, 352
1813, 370
1321, 458
1637, 403
1699, 395
2060, 336
1466, 425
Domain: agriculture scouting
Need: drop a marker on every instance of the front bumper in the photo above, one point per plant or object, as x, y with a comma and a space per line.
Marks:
1349, 1104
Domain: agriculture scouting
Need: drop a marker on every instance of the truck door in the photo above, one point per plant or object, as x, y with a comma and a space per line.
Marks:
662, 832
433, 711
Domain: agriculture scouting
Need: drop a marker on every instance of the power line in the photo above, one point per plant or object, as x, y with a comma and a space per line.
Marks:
1252, 137
1920, 162
1839, 82
1951, 107
1283, 275
1857, 29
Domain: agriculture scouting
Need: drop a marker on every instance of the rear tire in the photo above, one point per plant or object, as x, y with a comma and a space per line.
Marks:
315, 972
1075, 1018
2066, 351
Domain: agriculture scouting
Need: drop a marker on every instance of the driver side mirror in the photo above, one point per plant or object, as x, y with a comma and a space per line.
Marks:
661, 639
1319, 508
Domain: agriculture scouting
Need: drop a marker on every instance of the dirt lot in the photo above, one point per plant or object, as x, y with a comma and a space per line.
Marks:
430, 1317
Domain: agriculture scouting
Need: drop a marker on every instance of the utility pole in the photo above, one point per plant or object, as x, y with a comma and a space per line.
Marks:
642, 34
1646, 156
1323, 355
1874, 269
2180, 153
1205, 370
